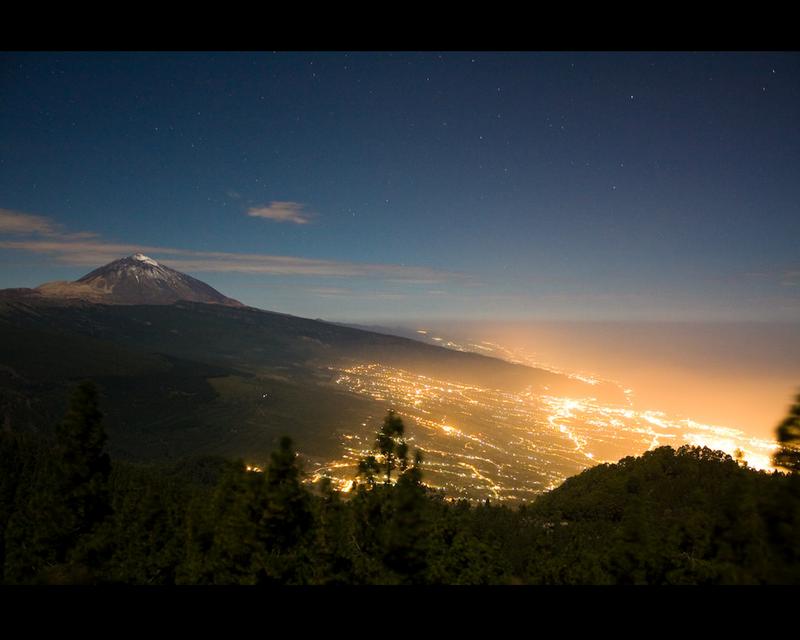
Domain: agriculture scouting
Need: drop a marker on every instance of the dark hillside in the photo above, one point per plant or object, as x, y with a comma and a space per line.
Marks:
191, 378
667, 517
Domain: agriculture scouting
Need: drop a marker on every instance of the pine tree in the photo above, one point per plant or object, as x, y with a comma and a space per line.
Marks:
406, 540
788, 433
83, 467
234, 548
331, 558
68, 499
287, 517
391, 444
367, 468
254, 530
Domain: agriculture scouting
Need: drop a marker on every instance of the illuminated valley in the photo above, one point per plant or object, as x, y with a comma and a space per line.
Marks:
481, 443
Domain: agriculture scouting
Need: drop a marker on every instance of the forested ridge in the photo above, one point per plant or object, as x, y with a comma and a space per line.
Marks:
71, 515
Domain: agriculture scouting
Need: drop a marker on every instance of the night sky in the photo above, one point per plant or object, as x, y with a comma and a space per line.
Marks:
381, 186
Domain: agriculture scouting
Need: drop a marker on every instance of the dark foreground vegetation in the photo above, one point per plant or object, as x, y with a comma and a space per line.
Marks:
70, 515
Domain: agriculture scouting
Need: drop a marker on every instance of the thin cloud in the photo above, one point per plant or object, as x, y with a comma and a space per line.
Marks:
786, 277
281, 212
88, 253
86, 249
28, 224
350, 294
331, 291
16, 222
791, 278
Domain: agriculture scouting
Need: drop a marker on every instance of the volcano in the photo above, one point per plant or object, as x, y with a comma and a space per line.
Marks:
136, 279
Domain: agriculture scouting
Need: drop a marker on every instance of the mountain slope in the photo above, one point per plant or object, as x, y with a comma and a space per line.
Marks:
253, 339
199, 378
191, 377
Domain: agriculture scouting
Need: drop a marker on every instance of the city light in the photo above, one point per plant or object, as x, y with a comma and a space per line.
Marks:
480, 442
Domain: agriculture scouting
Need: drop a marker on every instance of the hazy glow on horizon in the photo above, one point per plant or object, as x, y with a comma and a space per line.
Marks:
742, 376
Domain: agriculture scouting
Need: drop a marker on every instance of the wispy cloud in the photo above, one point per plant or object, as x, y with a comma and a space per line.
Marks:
369, 294
791, 278
330, 291
786, 276
282, 212
16, 222
94, 253
28, 224
85, 249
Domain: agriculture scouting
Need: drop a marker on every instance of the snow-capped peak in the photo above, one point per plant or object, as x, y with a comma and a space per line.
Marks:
143, 258
138, 279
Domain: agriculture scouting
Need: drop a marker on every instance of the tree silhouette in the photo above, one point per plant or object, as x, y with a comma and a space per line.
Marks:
331, 562
406, 538
367, 468
69, 498
788, 433
391, 444
287, 516
226, 544
255, 525
84, 467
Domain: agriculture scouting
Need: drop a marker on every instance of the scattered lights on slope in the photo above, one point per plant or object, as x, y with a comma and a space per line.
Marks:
479, 442
586, 379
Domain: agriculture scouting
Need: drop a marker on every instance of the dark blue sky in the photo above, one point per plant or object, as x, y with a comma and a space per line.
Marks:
415, 185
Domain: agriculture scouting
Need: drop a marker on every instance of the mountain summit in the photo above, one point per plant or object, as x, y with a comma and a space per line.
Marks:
136, 279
